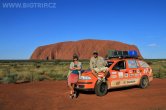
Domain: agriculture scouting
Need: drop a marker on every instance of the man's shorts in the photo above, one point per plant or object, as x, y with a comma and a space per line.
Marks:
102, 69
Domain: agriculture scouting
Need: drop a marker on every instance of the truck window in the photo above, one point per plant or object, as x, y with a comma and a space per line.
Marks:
119, 65
109, 64
132, 64
143, 64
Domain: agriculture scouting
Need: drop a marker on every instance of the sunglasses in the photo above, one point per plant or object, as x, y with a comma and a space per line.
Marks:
95, 54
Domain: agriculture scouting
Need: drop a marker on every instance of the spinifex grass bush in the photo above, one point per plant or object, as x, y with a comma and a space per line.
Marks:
6, 76
3, 72
10, 78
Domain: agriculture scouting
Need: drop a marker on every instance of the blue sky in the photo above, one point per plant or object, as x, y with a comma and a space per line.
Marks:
138, 22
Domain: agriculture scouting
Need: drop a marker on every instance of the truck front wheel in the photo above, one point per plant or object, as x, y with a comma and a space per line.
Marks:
144, 82
101, 88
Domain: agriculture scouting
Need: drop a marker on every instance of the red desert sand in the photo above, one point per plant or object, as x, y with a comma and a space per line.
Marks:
53, 95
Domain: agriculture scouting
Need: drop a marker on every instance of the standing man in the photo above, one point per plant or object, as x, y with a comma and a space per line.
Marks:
97, 64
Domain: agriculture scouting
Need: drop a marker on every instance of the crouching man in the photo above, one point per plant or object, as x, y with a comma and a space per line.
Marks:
98, 64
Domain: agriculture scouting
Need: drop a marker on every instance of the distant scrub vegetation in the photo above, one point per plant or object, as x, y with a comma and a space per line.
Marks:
37, 70
34, 70
158, 67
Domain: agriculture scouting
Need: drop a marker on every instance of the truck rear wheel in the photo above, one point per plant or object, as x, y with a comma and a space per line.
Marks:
144, 82
101, 88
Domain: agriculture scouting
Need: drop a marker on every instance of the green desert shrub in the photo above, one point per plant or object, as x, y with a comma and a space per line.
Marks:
38, 77
159, 69
10, 78
2, 73
24, 76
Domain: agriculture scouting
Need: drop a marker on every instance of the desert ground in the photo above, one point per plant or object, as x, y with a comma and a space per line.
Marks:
53, 95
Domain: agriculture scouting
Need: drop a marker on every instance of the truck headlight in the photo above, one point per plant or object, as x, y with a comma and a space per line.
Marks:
85, 78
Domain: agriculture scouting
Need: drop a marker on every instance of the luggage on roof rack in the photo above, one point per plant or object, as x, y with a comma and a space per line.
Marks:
122, 54
132, 53
111, 53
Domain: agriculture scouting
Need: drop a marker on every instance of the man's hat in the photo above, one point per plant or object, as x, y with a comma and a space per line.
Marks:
95, 52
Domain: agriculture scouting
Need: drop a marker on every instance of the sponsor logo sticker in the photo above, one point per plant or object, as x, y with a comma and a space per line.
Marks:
134, 71
130, 81
138, 71
145, 70
118, 83
126, 75
137, 74
120, 74
130, 71
131, 75
113, 76
114, 72
124, 82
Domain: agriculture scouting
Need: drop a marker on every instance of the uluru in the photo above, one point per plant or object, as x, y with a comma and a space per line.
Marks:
83, 48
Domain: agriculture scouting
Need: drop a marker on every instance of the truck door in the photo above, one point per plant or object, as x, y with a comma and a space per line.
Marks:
133, 68
117, 73
133, 72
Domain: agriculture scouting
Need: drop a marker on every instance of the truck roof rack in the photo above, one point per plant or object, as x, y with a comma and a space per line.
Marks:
122, 54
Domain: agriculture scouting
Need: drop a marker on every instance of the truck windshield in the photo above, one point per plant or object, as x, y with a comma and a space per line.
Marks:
109, 63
